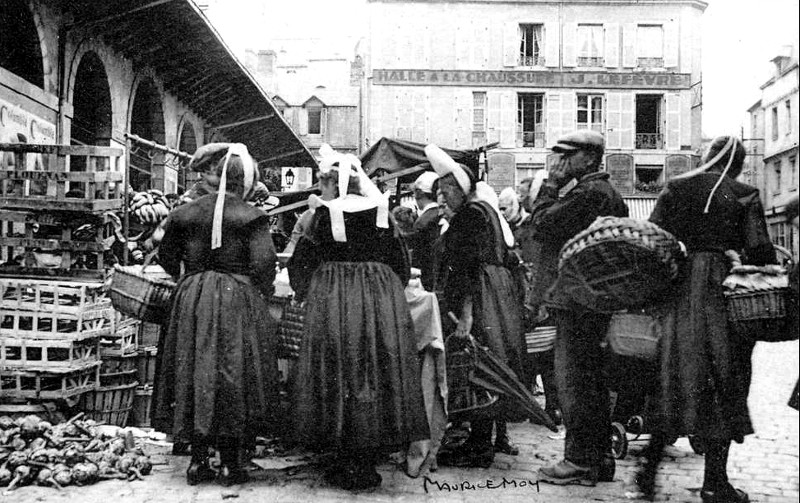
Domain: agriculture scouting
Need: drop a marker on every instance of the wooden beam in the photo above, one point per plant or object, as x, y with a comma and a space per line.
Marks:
245, 121
282, 156
91, 22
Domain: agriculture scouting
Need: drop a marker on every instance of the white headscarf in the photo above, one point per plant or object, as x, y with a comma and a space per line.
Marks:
249, 168
349, 203
445, 165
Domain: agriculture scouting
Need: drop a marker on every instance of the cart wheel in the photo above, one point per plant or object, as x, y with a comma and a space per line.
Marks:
697, 444
635, 426
619, 441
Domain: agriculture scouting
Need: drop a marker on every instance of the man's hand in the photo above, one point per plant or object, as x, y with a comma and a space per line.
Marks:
559, 175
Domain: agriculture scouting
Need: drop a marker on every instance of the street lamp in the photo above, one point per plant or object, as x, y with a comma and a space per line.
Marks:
289, 178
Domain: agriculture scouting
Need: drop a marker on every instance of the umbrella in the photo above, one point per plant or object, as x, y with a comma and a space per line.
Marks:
494, 375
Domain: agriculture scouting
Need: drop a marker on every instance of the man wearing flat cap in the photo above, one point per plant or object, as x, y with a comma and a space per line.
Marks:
425, 232
584, 396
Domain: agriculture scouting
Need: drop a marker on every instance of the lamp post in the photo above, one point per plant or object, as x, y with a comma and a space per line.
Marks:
289, 178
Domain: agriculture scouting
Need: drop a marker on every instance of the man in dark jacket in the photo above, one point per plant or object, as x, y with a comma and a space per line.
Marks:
425, 232
583, 393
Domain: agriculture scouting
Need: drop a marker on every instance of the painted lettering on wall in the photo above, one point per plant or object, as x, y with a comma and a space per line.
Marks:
506, 78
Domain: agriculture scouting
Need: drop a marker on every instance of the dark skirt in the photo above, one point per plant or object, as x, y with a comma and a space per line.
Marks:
705, 368
357, 383
497, 317
217, 373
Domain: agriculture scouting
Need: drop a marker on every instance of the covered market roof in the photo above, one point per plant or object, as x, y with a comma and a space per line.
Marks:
177, 40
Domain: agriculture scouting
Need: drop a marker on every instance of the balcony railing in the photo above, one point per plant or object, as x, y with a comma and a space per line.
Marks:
649, 141
531, 138
590, 61
531, 60
650, 62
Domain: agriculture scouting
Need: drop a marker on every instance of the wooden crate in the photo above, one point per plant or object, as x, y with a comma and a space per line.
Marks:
65, 170
69, 297
56, 243
48, 385
122, 340
68, 352
95, 321
146, 364
110, 404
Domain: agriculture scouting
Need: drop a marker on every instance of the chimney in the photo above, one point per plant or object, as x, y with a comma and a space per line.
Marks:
265, 70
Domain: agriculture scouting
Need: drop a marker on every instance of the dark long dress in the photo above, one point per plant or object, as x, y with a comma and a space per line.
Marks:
474, 259
705, 369
357, 382
217, 374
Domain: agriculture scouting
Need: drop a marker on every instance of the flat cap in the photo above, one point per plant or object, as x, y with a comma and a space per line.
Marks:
425, 181
581, 139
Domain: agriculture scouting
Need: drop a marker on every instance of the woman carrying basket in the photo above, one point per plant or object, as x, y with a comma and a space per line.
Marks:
217, 377
479, 289
357, 388
705, 369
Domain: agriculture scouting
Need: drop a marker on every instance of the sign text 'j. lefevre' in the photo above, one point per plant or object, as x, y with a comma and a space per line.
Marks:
510, 78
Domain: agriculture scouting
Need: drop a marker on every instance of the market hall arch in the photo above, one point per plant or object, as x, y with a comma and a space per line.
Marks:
146, 121
187, 142
91, 100
20, 47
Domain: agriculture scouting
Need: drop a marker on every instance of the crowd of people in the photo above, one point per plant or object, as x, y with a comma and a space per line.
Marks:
492, 263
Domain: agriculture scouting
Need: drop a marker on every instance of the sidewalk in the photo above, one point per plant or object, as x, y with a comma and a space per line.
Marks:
765, 466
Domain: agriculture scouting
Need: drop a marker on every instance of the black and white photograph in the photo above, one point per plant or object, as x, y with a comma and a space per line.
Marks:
388, 251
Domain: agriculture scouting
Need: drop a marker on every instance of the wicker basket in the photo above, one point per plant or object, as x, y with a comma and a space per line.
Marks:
760, 315
110, 405
290, 330
465, 400
633, 334
620, 263
142, 292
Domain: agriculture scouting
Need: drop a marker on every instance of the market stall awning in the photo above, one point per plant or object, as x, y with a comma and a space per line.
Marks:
176, 39
400, 156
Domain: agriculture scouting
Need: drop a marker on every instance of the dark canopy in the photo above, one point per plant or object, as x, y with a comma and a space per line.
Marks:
393, 156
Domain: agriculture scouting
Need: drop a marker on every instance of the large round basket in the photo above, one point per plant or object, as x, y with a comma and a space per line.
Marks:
760, 315
465, 400
142, 292
620, 263
110, 404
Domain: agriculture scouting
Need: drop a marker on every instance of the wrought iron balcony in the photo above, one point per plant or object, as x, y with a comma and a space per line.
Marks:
531, 138
592, 62
537, 60
649, 141
650, 62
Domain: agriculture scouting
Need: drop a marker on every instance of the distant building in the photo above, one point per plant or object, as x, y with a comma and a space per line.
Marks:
522, 73
314, 94
774, 118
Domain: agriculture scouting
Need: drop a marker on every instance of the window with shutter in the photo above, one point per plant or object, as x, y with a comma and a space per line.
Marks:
649, 134
649, 46
590, 112
590, 45
530, 119
531, 45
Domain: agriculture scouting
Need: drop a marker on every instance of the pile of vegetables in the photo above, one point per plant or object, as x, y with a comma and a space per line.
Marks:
34, 451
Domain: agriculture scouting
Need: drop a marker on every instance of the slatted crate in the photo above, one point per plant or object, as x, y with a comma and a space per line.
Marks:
66, 352
26, 384
72, 178
123, 339
96, 321
68, 297
56, 244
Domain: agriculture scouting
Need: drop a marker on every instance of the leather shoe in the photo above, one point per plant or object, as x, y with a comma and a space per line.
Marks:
727, 495
198, 472
504, 445
555, 415
566, 472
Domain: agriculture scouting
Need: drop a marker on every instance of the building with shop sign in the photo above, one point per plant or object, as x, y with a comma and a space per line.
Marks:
774, 128
99, 73
523, 72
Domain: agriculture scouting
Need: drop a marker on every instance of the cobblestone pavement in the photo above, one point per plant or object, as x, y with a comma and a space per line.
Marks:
766, 465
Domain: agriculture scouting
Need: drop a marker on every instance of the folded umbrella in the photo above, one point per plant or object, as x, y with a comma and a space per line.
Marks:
493, 374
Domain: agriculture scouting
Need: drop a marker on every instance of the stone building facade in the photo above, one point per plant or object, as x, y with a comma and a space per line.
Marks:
523, 72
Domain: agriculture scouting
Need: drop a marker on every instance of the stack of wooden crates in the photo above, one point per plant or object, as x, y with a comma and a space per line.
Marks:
60, 338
